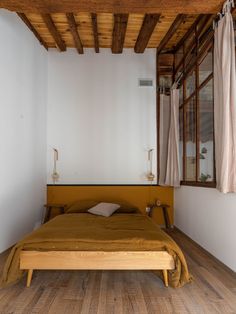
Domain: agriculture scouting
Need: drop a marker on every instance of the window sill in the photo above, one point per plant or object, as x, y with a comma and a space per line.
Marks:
200, 184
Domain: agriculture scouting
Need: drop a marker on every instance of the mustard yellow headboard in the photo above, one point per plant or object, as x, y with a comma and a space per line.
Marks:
138, 195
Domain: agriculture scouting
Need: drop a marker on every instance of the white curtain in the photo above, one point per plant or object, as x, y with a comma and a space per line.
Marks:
225, 102
164, 131
172, 165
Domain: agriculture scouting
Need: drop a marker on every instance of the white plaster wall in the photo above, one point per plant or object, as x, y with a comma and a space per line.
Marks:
23, 71
99, 119
208, 217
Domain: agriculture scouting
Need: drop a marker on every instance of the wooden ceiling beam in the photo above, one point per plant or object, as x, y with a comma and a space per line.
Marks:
113, 6
95, 31
74, 31
147, 28
119, 30
54, 32
27, 22
175, 25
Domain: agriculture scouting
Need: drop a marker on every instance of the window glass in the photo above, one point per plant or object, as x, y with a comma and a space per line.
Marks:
165, 83
190, 58
205, 68
202, 27
190, 84
189, 42
196, 138
181, 95
179, 73
178, 56
181, 142
206, 133
190, 147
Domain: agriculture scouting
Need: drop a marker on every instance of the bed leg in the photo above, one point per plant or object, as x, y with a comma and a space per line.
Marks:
29, 277
165, 277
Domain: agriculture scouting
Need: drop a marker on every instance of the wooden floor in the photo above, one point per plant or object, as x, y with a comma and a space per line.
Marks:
213, 290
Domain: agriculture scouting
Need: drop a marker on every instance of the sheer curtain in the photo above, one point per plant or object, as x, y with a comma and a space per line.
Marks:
164, 131
172, 177
225, 102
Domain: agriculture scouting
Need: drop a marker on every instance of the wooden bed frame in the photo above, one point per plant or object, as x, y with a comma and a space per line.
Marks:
96, 260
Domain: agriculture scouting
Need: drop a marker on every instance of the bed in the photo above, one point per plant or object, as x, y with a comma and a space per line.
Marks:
79, 241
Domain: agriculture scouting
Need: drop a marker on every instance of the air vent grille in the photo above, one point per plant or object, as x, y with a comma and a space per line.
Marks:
145, 83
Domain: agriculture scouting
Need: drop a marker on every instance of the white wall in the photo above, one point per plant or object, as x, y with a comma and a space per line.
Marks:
208, 217
23, 66
101, 122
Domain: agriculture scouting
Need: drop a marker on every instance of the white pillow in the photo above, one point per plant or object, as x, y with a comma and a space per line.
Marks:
104, 209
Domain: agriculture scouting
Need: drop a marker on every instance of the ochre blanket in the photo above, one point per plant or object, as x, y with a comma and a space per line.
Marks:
86, 232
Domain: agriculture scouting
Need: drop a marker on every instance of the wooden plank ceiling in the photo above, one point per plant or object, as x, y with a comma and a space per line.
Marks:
129, 24
114, 6
106, 30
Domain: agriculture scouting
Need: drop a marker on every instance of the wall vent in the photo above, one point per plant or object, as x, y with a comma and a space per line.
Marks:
145, 82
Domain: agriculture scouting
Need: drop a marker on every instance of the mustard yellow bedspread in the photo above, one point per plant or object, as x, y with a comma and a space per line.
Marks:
120, 232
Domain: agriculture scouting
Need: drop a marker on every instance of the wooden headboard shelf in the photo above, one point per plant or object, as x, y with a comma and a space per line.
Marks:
137, 195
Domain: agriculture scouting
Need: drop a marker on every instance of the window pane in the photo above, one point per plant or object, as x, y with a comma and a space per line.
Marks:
202, 27
181, 95
190, 58
206, 135
181, 142
165, 83
178, 56
190, 141
205, 68
190, 84
179, 73
189, 42
177, 76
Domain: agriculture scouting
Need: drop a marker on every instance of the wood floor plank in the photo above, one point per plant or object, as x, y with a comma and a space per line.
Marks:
118, 291
202, 258
177, 302
150, 284
137, 292
87, 288
20, 305
61, 306
191, 304
107, 294
44, 302
76, 289
51, 281
10, 297
93, 308
225, 293
134, 292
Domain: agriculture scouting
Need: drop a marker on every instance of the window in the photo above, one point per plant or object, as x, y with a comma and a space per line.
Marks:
205, 68
181, 124
190, 140
196, 115
206, 133
190, 84
179, 56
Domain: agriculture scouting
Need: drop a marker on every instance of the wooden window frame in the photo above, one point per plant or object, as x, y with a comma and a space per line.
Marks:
200, 46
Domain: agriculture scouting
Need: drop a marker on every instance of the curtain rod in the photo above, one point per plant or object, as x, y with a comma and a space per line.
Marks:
227, 7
